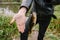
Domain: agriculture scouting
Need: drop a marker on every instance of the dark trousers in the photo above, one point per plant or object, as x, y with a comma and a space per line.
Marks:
43, 24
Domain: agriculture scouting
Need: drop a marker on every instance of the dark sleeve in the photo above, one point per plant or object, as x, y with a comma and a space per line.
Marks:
26, 4
56, 2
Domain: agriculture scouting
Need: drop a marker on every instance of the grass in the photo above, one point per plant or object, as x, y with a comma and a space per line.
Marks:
7, 31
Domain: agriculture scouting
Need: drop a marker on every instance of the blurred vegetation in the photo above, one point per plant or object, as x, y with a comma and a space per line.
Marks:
13, 7
10, 0
8, 32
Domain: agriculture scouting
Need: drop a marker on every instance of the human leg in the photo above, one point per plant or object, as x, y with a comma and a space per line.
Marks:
43, 24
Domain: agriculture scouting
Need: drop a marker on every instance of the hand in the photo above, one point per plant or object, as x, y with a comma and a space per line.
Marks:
20, 19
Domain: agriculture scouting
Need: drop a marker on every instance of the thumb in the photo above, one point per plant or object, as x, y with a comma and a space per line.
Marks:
12, 21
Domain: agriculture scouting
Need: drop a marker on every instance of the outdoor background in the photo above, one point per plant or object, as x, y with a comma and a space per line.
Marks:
8, 8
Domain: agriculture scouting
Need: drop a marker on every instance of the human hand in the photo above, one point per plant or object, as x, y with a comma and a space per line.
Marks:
20, 19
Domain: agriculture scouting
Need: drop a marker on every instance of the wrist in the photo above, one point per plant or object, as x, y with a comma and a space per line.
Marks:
22, 11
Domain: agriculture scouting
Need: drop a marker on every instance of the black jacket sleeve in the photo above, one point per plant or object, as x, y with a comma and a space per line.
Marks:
55, 2
26, 4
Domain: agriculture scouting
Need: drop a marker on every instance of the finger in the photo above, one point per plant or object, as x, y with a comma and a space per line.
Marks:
12, 21
21, 28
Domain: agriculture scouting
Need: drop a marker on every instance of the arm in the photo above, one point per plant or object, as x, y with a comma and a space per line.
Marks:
26, 4
55, 2
20, 17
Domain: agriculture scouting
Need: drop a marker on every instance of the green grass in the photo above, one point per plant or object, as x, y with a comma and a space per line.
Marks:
57, 11
7, 31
